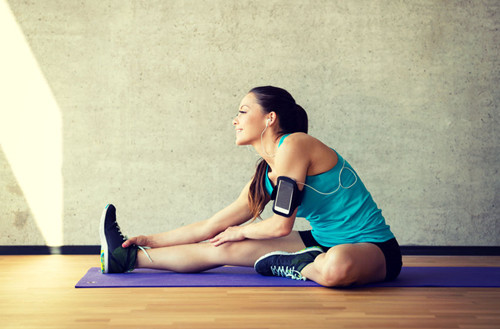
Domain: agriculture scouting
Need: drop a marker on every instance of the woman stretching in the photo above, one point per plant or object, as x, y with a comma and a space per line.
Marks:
349, 244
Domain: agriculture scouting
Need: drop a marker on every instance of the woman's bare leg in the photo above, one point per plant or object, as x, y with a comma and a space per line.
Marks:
347, 264
203, 256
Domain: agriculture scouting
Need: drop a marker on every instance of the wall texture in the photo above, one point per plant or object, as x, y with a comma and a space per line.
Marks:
407, 91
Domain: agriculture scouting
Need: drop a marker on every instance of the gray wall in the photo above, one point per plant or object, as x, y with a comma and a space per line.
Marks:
407, 91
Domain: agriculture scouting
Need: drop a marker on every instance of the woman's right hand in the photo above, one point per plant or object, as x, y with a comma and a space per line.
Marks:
140, 240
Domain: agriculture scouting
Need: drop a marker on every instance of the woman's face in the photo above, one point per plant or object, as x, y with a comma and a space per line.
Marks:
250, 122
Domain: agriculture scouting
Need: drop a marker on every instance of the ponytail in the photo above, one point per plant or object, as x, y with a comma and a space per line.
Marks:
257, 194
301, 119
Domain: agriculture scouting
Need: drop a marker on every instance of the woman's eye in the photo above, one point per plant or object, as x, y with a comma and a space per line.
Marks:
242, 112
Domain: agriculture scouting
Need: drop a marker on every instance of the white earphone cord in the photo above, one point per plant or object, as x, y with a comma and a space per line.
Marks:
340, 181
262, 144
312, 188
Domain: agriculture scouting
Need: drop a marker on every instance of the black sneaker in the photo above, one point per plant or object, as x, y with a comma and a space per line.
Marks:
286, 264
114, 258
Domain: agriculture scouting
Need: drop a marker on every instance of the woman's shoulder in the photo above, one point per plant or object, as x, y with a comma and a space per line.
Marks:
302, 147
299, 139
298, 145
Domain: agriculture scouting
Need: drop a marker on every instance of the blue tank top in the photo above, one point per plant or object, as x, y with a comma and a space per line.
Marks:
347, 216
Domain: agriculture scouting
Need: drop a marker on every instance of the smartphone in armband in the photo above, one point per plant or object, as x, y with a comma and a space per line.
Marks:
287, 196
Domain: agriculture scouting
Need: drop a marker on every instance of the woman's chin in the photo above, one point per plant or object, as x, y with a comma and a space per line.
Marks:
241, 142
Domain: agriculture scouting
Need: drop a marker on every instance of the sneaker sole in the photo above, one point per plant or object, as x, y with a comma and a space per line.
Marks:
288, 253
104, 243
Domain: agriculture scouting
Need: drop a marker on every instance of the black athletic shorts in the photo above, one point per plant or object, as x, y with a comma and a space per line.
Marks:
390, 249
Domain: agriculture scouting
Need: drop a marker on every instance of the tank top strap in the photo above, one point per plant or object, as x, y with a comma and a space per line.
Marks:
282, 139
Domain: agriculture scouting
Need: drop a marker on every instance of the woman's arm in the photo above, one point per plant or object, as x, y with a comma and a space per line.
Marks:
273, 227
236, 213
292, 160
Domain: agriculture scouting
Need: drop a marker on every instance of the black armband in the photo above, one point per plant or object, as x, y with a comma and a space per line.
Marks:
286, 195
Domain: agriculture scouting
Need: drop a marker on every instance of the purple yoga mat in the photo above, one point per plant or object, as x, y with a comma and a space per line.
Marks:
246, 277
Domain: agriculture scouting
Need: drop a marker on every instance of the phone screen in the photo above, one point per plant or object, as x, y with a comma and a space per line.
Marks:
284, 197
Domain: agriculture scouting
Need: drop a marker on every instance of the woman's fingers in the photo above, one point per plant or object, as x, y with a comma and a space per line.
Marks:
137, 240
129, 242
230, 234
216, 240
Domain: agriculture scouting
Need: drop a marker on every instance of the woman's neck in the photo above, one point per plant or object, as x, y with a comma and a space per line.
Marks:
267, 146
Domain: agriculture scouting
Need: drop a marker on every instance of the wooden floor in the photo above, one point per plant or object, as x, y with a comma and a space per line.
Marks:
38, 292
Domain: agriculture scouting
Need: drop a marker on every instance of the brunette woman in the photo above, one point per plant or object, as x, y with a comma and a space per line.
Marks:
350, 242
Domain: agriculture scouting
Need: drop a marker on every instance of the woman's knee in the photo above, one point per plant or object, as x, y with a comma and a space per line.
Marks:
338, 269
223, 251
349, 264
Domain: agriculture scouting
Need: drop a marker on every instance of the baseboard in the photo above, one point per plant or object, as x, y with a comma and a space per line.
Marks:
451, 250
49, 250
406, 250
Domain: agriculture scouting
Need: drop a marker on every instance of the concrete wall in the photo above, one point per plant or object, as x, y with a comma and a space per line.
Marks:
145, 92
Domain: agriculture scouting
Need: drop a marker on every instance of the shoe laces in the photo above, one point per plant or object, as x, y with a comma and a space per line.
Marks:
287, 272
144, 249
120, 230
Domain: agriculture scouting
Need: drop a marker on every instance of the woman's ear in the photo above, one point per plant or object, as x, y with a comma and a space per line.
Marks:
271, 119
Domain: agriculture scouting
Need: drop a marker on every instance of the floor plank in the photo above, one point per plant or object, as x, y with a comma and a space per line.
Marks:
38, 292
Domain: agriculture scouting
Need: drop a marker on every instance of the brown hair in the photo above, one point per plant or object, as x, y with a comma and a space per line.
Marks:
292, 118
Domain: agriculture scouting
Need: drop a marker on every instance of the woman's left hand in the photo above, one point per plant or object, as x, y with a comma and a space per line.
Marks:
233, 233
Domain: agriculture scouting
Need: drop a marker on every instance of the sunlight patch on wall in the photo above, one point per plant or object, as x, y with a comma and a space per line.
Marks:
30, 129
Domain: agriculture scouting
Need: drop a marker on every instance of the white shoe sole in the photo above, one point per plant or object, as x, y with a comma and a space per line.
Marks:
104, 243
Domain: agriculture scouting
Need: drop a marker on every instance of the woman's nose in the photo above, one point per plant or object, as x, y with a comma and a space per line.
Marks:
235, 122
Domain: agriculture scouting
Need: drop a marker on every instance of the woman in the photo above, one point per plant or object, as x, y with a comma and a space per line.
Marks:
350, 242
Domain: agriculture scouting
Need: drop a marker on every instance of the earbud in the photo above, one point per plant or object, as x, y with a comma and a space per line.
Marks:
267, 122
